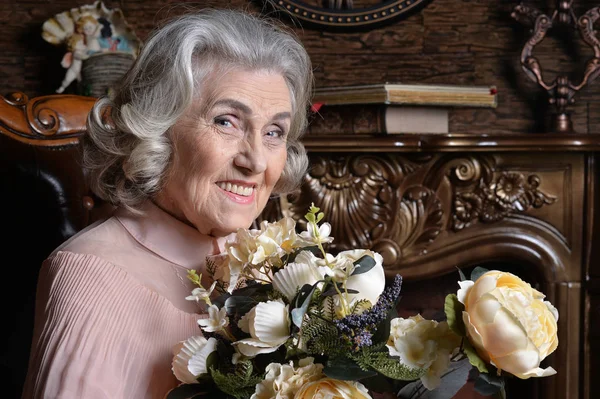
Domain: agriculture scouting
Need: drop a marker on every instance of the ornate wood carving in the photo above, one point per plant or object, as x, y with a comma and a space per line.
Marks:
491, 201
47, 121
399, 204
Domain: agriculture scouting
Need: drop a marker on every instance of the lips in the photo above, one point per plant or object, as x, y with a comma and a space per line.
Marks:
238, 189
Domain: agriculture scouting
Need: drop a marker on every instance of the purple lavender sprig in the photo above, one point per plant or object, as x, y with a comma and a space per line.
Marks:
358, 329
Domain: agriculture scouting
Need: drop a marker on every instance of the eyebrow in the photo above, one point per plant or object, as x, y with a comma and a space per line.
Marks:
246, 110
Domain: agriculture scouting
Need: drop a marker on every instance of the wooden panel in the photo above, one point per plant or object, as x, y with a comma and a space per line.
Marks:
430, 212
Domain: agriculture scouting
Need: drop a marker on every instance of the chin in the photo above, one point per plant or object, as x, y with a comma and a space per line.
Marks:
234, 225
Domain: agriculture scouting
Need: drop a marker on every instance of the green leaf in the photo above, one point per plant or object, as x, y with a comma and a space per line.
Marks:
241, 383
239, 304
461, 274
453, 309
383, 329
301, 301
320, 216
410, 391
342, 368
488, 384
474, 358
452, 381
493, 379
363, 265
212, 360
378, 358
478, 272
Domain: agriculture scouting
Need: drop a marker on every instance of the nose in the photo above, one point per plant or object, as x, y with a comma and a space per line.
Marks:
252, 154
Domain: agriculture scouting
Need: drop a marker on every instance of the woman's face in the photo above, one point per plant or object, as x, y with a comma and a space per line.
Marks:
227, 160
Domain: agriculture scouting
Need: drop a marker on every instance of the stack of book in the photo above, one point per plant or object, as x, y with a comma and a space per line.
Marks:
393, 108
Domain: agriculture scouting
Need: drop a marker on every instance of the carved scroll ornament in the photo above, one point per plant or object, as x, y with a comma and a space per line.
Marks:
398, 205
47, 120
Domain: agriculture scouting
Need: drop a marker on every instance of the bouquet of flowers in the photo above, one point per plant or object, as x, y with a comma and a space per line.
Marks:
293, 321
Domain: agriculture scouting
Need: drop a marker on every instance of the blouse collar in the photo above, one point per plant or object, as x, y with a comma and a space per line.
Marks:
169, 237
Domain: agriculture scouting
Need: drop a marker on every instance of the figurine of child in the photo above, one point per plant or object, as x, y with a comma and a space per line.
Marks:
73, 60
89, 27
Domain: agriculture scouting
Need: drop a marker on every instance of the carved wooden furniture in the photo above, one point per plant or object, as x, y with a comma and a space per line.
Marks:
44, 201
428, 204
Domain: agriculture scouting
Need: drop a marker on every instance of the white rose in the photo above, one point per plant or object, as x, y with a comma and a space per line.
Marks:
269, 325
190, 357
509, 324
328, 388
424, 344
283, 381
370, 284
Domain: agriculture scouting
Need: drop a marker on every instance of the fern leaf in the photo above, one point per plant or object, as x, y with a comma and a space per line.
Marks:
240, 383
361, 306
320, 336
380, 361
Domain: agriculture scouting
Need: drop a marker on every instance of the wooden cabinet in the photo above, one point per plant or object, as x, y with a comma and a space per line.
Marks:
525, 203
430, 204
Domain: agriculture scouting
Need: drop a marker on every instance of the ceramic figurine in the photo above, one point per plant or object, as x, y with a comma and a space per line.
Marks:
73, 59
88, 31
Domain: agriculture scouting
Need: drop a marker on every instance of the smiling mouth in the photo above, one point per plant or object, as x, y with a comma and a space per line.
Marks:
236, 189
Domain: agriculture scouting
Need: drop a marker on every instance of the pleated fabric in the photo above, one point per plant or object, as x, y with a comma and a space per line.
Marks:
111, 306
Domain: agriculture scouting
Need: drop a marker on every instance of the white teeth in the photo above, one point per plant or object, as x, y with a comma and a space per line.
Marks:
234, 188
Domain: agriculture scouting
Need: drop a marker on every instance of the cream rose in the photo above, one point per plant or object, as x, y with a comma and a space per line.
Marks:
423, 344
269, 325
282, 381
370, 284
328, 388
509, 324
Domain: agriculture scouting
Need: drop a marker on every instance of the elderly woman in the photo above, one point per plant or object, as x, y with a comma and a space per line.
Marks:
203, 130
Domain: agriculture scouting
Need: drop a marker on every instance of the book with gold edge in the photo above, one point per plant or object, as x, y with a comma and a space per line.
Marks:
409, 94
393, 108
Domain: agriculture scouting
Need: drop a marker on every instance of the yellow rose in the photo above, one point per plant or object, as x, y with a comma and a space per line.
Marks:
328, 388
509, 324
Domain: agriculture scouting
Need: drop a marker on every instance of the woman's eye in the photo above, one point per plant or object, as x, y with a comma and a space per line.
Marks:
276, 133
224, 122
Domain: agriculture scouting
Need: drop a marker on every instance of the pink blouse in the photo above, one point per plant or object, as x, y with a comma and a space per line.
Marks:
111, 306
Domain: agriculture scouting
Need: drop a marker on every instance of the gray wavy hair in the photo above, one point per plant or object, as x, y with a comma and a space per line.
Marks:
126, 156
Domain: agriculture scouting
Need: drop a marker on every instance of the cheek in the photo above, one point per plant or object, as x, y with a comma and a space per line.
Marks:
276, 166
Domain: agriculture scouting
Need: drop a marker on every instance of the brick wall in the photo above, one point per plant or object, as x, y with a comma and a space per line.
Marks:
467, 42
